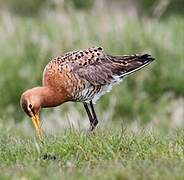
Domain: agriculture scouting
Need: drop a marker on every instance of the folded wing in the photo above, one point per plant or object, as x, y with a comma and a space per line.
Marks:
105, 69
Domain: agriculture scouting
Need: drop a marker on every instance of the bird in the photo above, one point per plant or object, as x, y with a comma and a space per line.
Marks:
79, 76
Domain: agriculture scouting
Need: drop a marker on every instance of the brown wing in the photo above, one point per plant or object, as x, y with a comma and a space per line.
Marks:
106, 69
94, 67
96, 73
97, 68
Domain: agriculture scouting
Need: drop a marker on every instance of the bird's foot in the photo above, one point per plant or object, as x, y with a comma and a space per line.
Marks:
93, 125
91, 128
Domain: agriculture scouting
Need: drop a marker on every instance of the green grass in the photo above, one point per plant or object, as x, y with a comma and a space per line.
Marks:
103, 155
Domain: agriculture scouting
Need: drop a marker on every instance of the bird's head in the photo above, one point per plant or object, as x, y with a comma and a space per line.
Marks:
30, 102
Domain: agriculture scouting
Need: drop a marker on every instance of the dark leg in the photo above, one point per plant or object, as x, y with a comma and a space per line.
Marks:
95, 119
88, 113
92, 117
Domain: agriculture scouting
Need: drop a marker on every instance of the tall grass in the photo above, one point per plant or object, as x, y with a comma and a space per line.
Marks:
27, 44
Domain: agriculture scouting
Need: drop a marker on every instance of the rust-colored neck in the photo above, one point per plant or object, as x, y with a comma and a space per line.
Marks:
50, 97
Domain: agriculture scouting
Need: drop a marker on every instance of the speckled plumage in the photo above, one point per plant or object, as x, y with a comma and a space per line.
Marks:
87, 74
79, 76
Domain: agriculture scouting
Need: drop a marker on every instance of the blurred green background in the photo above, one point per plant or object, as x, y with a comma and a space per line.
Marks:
34, 31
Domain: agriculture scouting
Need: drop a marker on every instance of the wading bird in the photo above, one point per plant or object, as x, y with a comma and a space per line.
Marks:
79, 76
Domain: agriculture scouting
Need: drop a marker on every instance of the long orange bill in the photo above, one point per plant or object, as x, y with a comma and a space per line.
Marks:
36, 122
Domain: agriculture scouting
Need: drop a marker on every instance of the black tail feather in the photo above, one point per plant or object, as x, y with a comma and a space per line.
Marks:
128, 64
145, 58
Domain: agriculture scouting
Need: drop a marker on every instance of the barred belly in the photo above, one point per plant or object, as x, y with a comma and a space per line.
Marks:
92, 93
87, 93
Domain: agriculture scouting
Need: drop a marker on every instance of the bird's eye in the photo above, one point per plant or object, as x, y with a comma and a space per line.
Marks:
30, 106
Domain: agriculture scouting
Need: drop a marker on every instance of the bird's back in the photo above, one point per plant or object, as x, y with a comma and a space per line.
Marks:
88, 74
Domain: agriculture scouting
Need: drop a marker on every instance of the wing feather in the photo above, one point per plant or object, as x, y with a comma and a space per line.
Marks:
107, 68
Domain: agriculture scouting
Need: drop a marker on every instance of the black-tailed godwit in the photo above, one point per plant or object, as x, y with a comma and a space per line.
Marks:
79, 76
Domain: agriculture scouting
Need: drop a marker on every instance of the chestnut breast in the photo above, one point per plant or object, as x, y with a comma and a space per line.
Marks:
61, 79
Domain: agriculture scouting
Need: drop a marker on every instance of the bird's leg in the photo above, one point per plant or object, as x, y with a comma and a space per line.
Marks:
95, 119
92, 117
88, 113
